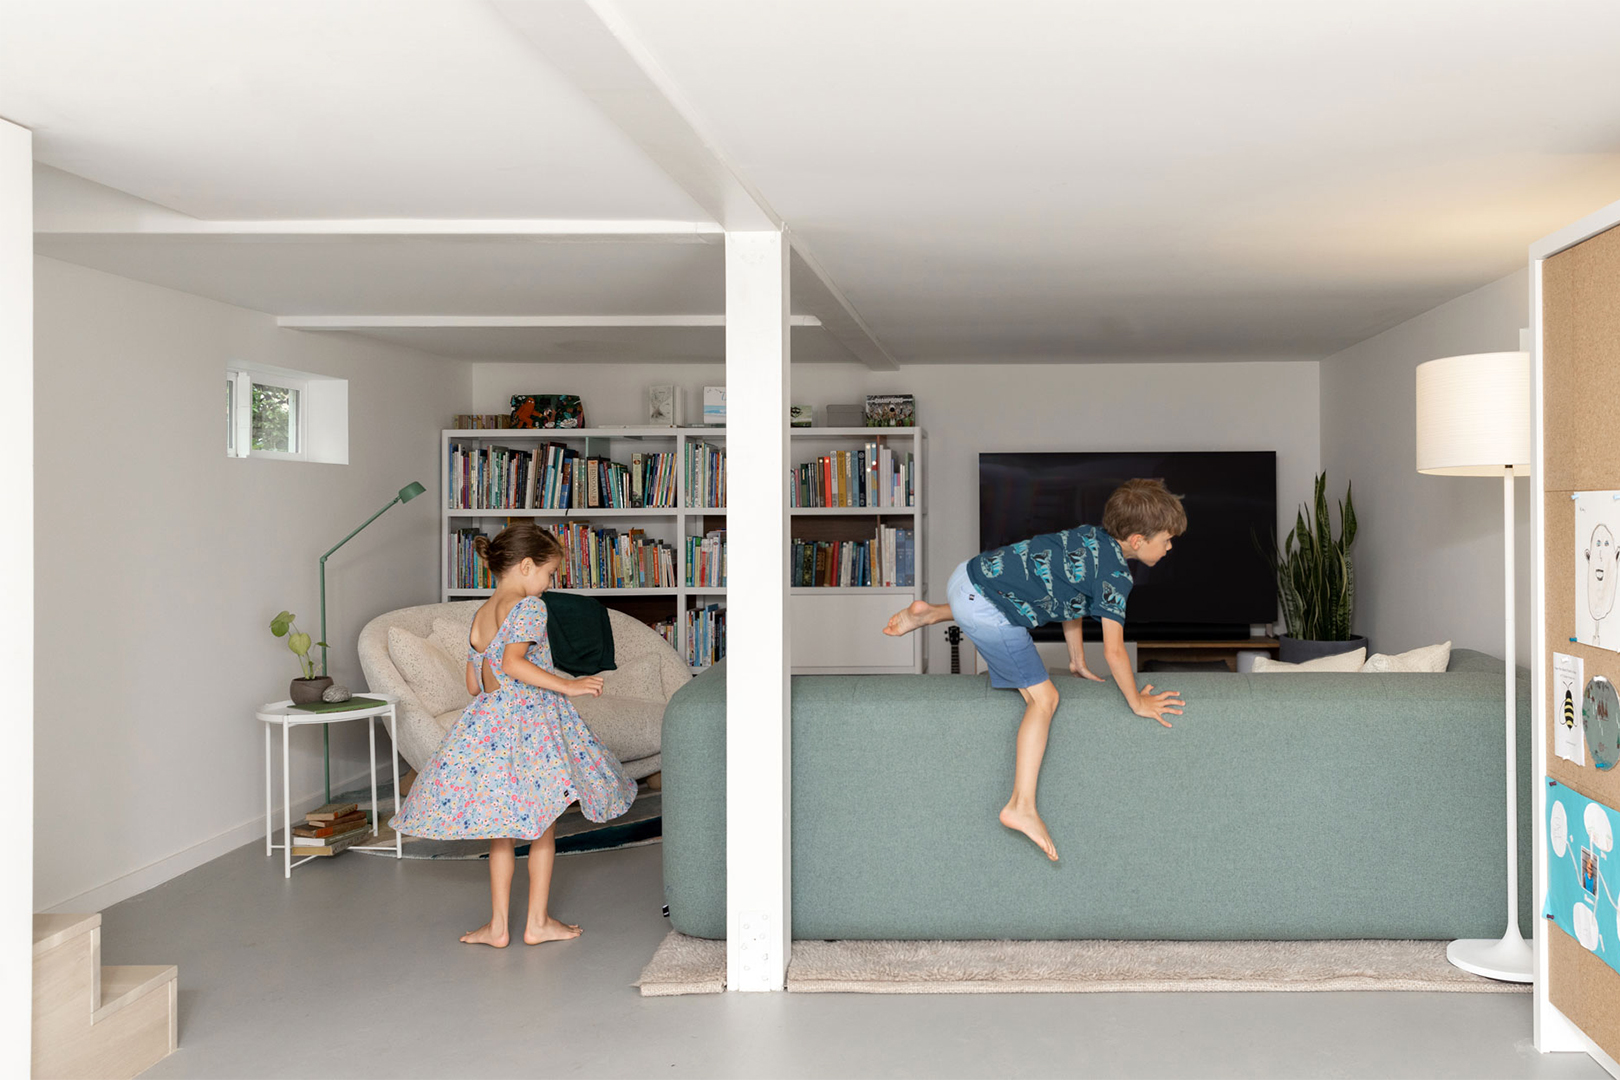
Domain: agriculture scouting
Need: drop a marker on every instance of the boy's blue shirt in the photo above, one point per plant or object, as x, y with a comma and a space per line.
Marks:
1055, 577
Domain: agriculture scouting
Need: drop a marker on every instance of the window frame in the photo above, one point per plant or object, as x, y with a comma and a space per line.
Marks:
239, 435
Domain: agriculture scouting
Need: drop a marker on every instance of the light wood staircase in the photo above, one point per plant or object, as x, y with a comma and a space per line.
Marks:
94, 1021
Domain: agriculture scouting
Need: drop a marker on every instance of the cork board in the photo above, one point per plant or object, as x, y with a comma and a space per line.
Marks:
1580, 327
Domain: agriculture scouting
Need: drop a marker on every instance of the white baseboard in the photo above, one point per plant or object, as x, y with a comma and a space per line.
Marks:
149, 877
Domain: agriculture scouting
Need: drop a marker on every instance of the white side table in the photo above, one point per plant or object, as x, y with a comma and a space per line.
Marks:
288, 717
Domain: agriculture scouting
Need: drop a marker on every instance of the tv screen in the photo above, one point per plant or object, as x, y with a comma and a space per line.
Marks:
1213, 583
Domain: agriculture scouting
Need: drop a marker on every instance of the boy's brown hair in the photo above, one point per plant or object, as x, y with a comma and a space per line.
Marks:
1146, 507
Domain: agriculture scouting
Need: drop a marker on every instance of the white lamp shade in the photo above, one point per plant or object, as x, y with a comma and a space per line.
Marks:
1473, 414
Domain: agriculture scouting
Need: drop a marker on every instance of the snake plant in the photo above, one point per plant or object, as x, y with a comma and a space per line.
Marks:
1316, 580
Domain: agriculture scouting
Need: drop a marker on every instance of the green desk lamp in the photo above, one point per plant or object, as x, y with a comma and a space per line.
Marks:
406, 494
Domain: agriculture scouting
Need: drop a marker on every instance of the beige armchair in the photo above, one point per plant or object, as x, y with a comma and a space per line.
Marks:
418, 653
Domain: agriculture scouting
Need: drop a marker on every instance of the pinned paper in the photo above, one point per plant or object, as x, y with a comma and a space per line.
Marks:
1597, 526
1569, 729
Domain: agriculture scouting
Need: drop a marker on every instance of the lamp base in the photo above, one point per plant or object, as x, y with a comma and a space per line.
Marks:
1508, 959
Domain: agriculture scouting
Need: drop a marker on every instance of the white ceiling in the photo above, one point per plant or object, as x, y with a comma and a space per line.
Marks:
1011, 180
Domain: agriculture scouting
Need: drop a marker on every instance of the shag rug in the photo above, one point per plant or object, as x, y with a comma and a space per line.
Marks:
642, 824
688, 965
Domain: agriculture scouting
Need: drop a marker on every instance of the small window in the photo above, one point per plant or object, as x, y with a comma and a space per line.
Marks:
275, 413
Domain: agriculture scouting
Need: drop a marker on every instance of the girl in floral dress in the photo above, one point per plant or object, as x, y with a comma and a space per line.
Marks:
520, 754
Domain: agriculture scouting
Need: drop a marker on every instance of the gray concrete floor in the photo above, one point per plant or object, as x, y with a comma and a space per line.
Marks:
352, 968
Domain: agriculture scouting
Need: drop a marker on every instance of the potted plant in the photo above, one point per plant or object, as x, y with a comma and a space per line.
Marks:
309, 688
1316, 581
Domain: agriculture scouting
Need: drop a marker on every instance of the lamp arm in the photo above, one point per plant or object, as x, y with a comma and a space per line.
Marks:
328, 554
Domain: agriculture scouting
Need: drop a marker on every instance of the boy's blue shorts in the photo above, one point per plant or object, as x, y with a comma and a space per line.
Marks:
1007, 649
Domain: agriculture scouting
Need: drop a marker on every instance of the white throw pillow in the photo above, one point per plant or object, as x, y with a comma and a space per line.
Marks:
438, 680
451, 636
641, 678
1350, 661
1430, 658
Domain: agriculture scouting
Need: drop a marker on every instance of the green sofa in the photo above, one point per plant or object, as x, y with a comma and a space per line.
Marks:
1280, 806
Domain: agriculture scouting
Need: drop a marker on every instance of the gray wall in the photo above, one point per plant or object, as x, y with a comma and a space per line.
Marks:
160, 562
1429, 551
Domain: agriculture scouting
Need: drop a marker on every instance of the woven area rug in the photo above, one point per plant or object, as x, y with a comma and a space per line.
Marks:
642, 824
688, 965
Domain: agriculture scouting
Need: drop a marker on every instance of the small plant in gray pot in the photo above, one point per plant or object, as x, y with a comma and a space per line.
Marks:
309, 688
1316, 581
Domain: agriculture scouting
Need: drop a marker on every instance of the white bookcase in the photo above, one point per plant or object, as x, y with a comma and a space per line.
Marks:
839, 631
834, 630
669, 524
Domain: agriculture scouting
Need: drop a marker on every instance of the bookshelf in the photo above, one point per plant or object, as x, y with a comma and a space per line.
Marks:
836, 629
666, 526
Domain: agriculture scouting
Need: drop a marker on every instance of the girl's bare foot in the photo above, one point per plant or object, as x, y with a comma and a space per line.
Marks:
488, 934
1030, 824
904, 622
550, 930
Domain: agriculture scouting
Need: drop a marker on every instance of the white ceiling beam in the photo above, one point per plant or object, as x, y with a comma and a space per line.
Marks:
394, 322
339, 229
592, 44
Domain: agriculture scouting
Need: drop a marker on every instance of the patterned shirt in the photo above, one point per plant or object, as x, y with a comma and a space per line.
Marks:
1055, 577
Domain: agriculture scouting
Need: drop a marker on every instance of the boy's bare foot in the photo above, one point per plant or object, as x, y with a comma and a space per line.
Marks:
904, 622
488, 934
1030, 824
550, 930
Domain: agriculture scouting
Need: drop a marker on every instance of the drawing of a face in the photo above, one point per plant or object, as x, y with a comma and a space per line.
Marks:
1600, 575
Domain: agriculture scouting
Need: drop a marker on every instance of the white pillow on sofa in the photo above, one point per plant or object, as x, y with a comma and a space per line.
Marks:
1430, 658
1350, 661
439, 681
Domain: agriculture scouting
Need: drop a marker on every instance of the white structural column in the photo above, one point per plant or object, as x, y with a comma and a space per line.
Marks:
758, 716
17, 584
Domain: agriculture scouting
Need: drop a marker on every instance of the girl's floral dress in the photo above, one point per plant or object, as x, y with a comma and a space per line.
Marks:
516, 758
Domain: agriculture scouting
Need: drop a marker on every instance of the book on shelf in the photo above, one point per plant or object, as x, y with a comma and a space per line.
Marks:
705, 635
555, 476
886, 560
706, 560
319, 829
331, 845
347, 832
874, 476
705, 470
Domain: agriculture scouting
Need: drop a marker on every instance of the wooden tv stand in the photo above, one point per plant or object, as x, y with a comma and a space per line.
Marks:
1204, 650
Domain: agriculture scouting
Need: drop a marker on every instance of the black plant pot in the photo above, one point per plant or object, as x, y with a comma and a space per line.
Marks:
1294, 650
308, 691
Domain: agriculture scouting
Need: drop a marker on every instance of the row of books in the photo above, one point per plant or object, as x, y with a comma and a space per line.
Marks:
330, 829
608, 559
874, 476
888, 559
482, 421
554, 476
705, 474
706, 560
705, 635
467, 570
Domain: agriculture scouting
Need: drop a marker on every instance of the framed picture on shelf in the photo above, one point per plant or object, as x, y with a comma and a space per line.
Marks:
547, 411
891, 410
664, 405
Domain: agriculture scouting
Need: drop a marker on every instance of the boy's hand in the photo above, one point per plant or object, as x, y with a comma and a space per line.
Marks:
586, 686
1155, 706
1078, 667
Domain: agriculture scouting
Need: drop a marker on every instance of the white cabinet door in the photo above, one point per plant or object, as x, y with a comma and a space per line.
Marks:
843, 632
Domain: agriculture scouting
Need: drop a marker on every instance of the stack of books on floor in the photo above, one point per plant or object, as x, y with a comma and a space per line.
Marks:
330, 829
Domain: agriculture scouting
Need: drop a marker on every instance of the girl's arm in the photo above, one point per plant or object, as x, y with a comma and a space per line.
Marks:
1147, 703
472, 681
515, 662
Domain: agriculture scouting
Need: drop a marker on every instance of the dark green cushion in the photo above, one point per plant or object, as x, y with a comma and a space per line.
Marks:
580, 632
1280, 806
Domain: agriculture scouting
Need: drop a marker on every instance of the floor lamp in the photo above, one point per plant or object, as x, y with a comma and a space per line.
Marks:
1473, 419
406, 494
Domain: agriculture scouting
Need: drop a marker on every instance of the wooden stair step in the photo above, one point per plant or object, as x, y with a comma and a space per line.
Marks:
123, 985
52, 930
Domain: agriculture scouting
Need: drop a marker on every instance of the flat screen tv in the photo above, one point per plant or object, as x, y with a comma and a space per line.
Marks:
1214, 584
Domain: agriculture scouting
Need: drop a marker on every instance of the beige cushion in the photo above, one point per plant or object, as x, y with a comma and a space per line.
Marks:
451, 636
1350, 661
437, 680
641, 678
628, 727
1430, 658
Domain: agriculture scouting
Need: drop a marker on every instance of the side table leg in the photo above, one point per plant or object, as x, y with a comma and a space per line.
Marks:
371, 732
286, 803
269, 812
399, 800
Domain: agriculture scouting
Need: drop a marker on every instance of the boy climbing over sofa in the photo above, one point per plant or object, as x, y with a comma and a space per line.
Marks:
997, 596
